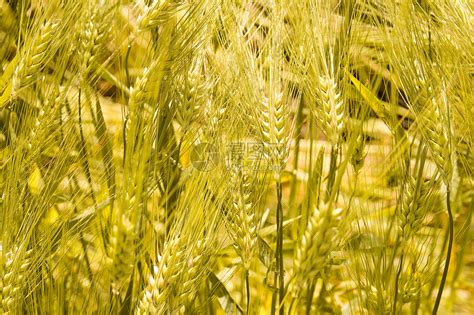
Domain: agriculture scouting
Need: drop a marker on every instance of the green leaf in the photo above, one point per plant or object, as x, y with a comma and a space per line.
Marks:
105, 148
272, 228
378, 106
226, 301
5, 81
35, 181
127, 301
7, 74
265, 253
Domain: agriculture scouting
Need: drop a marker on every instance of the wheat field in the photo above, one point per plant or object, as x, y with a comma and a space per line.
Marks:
236, 157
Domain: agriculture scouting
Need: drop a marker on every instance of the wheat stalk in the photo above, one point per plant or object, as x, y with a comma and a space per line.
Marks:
439, 131
275, 141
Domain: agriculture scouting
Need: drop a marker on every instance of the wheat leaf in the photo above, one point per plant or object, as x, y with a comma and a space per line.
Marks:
105, 147
378, 106
228, 304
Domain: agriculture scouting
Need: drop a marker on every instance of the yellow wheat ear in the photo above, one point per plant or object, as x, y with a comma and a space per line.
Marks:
243, 217
330, 108
93, 36
437, 135
158, 13
14, 267
274, 119
121, 253
31, 61
174, 281
317, 242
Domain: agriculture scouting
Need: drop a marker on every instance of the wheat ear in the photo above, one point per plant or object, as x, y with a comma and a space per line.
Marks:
437, 139
191, 94
158, 13
33, 61
413, 208
331, 111
358, 156
275, 139
274, 116
92, 38
120, 252
316, 243
14, 266
438, 128
173, 284
243, 218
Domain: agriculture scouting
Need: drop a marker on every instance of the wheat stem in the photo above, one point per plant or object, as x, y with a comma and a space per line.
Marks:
463, 244
294, 182
309, 298
279, 276
247, 287
448, 254
397, 279
279, 251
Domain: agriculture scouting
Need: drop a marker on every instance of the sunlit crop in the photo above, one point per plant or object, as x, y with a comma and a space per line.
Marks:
236, 157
